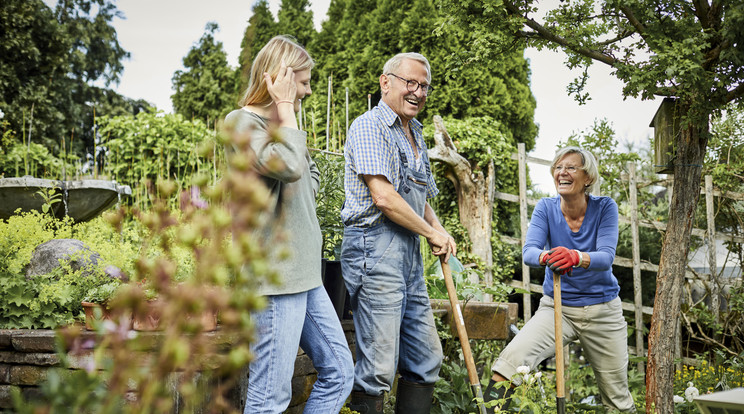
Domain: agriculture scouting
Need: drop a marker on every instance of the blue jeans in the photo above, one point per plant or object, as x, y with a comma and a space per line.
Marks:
393, 319
306, 320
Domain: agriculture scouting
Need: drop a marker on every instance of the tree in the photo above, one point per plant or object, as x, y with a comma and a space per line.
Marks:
360, 36
353, 46
473, 173
49, 61
295, 18
261, 28
204, 90
690, 50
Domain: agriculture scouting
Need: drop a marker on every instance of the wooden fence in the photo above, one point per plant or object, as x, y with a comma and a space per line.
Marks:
636, 307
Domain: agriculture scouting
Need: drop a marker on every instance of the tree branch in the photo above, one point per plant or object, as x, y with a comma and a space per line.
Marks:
735, 93
616, 39
711, 57
445, 151
640, 28
715, 13
546, 34
701, 11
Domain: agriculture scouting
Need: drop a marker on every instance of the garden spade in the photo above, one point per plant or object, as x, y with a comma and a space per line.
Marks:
560, 387
475, 384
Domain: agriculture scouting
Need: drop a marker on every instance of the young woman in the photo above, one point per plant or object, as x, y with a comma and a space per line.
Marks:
298, 312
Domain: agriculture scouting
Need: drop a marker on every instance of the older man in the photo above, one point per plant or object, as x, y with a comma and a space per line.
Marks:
387, 183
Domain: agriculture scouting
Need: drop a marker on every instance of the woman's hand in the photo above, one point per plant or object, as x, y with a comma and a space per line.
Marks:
283, 88
561, 259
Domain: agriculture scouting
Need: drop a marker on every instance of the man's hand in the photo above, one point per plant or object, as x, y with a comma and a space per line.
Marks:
442, 244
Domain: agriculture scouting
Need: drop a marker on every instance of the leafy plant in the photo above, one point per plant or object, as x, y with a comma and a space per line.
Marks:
330, 200
141, 150
50, 196
53, 300
232, 261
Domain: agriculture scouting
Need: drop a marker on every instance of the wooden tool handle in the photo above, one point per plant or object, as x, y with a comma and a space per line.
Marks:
560, 386
460, 324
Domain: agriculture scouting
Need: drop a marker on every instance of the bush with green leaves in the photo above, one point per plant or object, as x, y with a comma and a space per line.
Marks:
52, 300
232, 261
142, 149
330, 200
17, 160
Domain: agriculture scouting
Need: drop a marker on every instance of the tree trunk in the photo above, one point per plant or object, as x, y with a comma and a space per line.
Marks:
691, 143
474, 196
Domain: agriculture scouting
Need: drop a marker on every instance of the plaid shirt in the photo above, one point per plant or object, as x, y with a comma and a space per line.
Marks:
371, 150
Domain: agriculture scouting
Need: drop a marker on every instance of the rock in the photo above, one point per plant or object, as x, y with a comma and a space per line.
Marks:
47, 256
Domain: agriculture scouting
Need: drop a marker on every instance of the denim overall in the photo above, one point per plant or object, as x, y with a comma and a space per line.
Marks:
383, 272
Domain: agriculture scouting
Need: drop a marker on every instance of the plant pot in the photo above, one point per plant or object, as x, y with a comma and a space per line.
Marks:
94, 312
483, 320
150, 320
333, 282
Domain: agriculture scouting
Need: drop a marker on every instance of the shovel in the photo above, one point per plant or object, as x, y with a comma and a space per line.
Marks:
475, 384
560, 388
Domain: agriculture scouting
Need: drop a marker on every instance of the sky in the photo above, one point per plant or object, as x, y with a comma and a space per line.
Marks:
160, 33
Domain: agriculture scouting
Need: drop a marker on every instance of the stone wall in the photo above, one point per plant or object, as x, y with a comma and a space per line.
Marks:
27, 355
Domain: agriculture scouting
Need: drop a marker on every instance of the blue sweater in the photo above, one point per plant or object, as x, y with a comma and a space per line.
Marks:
597, 237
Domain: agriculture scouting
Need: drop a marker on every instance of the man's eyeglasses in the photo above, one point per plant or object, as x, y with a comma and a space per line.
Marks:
569, 170
413, 85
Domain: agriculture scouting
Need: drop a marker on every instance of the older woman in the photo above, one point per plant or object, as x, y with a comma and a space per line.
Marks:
575, 234
298, 311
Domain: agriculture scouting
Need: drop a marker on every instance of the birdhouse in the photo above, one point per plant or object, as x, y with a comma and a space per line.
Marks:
666, 129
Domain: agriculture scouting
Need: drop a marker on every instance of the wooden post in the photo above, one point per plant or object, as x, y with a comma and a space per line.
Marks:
637, 298
347, 112
715, 287
328, 115
522, 159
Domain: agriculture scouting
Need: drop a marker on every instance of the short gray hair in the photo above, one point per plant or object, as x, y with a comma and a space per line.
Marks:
394, 63
588, 163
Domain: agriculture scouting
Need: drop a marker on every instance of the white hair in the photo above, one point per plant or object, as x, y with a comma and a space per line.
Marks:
394, 63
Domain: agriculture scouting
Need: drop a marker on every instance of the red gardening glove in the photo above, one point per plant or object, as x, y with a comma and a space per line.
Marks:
561, 259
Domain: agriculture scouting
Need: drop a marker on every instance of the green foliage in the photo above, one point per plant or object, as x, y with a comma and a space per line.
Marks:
17, 160
496, 87
296, 18
142, 149
51, 197
48, 65
232, 262
725, 162
466, 290
261, 28
480, 140
714, 372
203, 89
53, 300
330, 200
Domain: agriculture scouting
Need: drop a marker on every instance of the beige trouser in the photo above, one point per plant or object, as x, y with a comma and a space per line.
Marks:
602, 331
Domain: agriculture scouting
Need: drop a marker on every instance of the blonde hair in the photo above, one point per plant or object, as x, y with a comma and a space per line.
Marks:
269, 58
588, 163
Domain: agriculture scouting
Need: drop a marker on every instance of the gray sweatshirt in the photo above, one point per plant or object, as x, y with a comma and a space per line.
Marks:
293, 226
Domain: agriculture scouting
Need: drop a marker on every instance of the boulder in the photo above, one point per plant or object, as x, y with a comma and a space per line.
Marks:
48, 256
